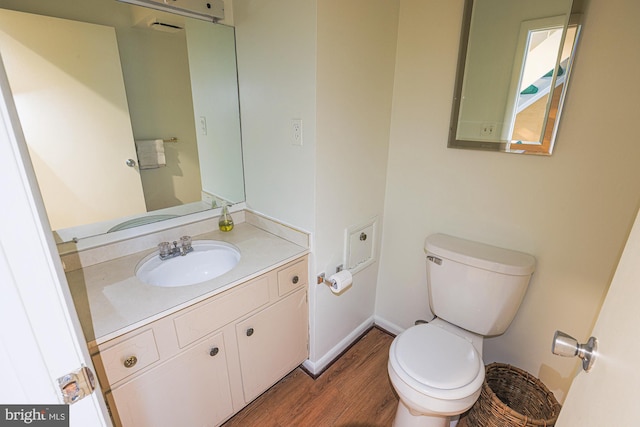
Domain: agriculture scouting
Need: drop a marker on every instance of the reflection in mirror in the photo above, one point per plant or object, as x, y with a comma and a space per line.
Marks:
102, 88
513, 68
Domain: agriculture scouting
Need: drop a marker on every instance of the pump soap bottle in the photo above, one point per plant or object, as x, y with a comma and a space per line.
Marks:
226, 222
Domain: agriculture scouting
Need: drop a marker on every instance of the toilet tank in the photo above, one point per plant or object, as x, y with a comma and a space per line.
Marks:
475, 286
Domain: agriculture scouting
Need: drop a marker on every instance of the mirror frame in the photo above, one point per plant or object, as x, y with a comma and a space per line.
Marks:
545, 148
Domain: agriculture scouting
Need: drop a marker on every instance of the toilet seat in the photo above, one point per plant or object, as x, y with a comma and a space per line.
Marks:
436, 362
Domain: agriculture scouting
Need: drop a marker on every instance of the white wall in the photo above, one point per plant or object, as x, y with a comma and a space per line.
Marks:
338, 78
572, 210
355, 63
276, 44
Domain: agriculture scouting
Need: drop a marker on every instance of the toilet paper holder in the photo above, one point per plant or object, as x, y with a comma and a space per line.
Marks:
323, 279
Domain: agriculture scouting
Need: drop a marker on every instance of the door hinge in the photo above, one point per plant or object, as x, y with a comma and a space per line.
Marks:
76, 385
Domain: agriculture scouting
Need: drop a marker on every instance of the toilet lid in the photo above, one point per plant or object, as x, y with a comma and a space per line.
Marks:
437, 358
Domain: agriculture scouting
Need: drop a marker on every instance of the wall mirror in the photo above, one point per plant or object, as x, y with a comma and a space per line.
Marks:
514, 65
101, 85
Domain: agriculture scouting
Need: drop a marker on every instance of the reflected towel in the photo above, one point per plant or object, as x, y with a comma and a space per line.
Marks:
150, 153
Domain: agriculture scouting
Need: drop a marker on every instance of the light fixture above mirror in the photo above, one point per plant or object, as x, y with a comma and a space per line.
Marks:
514, 64
209, 10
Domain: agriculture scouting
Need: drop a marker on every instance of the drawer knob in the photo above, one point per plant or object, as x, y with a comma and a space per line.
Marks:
214, 351
130, 362
295, 279
249, 332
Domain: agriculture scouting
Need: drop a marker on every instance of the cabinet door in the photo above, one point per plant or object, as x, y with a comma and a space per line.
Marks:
192, 389
272, 343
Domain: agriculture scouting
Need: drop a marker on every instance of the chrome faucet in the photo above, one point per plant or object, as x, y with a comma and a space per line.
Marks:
166, 251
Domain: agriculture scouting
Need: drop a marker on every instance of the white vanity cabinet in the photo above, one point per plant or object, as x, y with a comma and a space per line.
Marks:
190, 389
271, 343
202, 364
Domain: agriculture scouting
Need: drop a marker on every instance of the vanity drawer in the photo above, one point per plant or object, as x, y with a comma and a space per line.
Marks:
128, 356
213, 315
292, 277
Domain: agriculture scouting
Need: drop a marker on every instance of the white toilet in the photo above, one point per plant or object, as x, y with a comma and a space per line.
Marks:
475, 291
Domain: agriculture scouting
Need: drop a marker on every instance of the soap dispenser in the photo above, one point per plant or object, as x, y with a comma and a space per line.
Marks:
226, 222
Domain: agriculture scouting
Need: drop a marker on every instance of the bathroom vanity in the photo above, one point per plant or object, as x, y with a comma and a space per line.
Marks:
195, 355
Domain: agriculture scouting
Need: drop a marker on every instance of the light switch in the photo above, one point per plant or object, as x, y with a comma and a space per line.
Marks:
203, 125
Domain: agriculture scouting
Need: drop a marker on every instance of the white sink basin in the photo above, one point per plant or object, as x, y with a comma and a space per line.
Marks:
209, 259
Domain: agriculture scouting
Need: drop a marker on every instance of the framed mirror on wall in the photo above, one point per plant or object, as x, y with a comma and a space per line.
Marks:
93, 84
514, 64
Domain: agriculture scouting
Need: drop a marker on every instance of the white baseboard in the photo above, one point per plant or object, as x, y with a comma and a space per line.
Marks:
388, 326
316, 367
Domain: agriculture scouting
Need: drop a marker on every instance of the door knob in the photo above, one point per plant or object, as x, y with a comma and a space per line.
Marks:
567, 346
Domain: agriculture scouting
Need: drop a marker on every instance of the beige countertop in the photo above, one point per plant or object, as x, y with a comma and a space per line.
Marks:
110, 300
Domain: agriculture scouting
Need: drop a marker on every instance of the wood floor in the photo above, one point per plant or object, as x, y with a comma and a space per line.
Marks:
354, 392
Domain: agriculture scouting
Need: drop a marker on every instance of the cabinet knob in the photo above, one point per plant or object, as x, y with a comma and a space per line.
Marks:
130, 362
295, 279
249, 332
214, 351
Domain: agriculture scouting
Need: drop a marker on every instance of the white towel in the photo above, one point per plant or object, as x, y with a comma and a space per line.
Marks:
150, 153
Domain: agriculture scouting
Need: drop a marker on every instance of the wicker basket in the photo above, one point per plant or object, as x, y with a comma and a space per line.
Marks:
511, 397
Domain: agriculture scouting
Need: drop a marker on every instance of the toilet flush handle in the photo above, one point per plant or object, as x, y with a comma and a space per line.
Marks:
567, 346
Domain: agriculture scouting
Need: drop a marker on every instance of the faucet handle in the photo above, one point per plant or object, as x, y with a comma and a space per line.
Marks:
164, 248
185, 241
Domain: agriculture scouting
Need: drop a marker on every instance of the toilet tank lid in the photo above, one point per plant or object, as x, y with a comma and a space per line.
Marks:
480, 255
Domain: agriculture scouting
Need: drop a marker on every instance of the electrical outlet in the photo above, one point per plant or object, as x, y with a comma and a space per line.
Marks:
488, 129
296, 132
